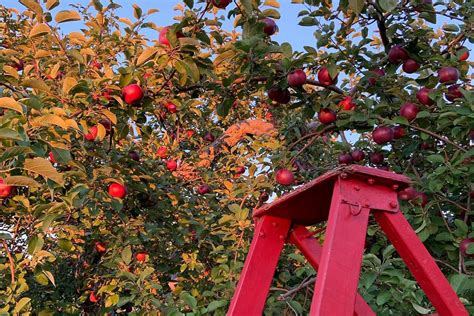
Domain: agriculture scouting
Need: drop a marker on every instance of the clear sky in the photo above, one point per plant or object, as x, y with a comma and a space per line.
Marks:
290, 31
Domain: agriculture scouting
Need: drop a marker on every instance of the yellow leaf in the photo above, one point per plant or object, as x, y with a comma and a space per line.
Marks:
36, 84
44, 168
51, 4
72, 124
33, 6
12, 104
87, 51
9, 70
49, 119
146, 55
272, 3
126, 21
54, 71
39, 30
42, 53
67, 16
111, 116
100, 132
77, 37
21, 181
68, 83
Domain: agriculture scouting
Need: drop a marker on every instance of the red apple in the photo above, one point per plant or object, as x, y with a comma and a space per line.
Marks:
132, 93
95, 64
141, 256
171, 165
397, 54
239, 170
279, 95
203, 189
263, 197
93, 298
163, 38
92, 133
5, 189
134, 155
51, 157
221, 4
209, 137
448, 74
189, 133
171, 107
409, 111
420, 198
162, 152
345, 158
407, 194
423, 96
358, 155
284, 177
464, 54
471, 135
327, 116
382, 135
376, 158
269, 26
374, 74
463, 247
117, 190
398, 132
296, 78
453, 93
347, 104
410, 66
100, 247
325, 78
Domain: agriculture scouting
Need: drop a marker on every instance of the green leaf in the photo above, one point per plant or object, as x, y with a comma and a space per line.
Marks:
224, 107
126, 255
14, 151
388, 5
215, 305
137, 11
383, 297
44, 168
420, 309
6, 133
271, 13
188, 299
356, 5
62, 156
5, 236
435, 158
35, 244
65, 244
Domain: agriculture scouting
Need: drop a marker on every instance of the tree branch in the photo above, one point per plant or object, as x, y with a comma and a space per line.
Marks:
441, 138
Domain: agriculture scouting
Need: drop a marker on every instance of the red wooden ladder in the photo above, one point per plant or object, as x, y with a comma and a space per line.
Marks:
345, 198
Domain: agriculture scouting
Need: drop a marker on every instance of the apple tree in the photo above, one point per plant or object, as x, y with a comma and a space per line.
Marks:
131, 163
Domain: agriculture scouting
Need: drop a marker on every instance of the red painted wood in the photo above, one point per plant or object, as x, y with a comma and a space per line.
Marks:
312, 250
421, 264
339, 269
256, 277
299, 205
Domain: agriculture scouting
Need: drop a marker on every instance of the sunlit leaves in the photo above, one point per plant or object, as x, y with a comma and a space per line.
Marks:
10, 103
43, 168
67, 16
39, 30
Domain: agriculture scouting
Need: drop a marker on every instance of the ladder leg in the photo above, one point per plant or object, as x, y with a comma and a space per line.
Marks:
256, 277
421, 264
341, 258
312, 250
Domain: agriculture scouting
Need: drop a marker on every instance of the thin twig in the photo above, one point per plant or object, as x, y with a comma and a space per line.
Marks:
441, 138
10, 258
296, 289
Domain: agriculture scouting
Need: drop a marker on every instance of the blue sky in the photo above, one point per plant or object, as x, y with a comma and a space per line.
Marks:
290, 31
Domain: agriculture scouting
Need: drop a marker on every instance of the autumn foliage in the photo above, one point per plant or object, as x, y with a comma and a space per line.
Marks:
132, 154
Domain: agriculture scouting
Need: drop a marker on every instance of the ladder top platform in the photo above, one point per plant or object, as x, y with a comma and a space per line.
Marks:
310, 203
